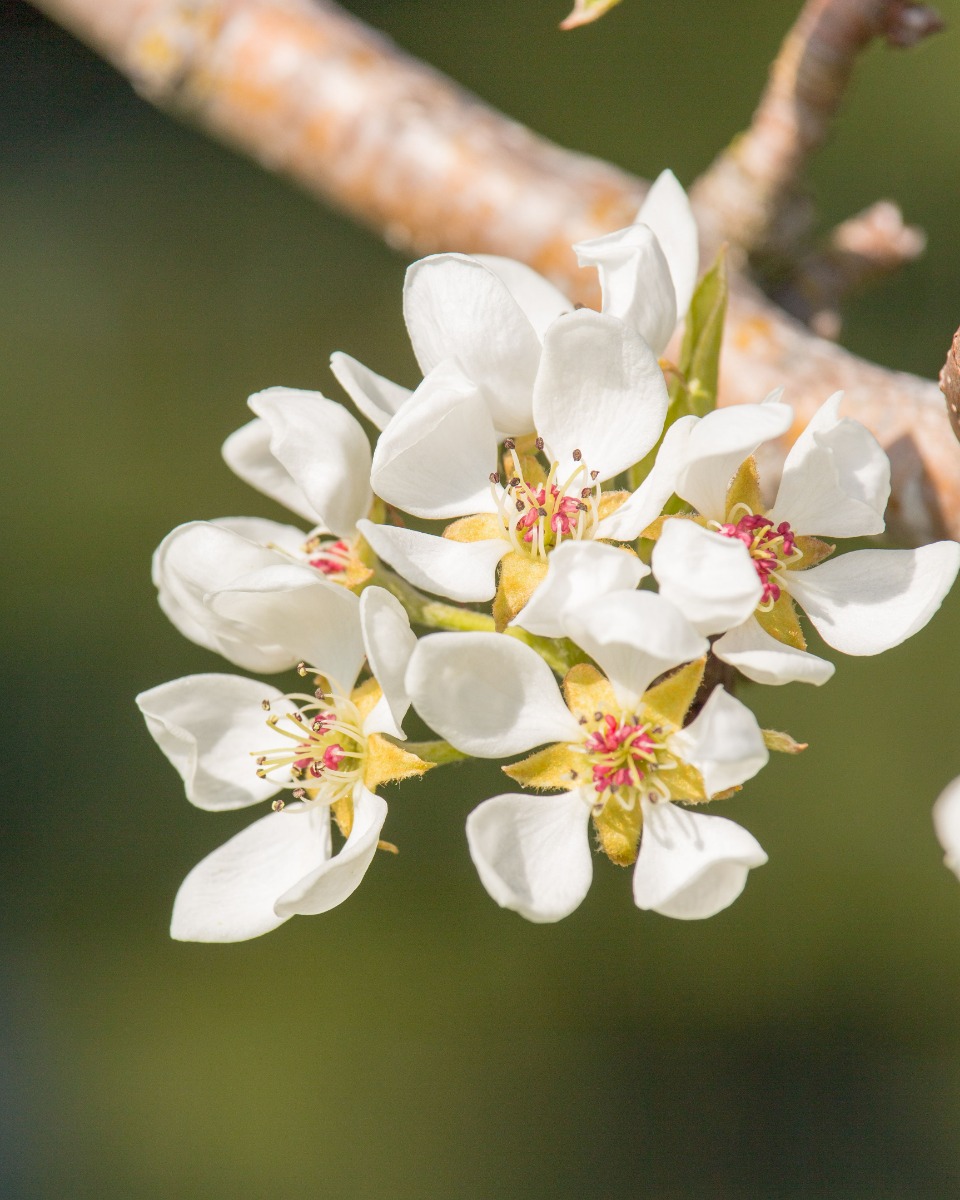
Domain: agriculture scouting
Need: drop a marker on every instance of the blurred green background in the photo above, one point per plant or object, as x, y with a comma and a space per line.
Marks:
418, 1041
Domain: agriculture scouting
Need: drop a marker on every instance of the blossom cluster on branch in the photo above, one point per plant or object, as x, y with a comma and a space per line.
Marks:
515, 513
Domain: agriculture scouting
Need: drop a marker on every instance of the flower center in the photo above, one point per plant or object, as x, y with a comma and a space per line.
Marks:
626, 753
330, 557
325, 750
536, 515
771, 548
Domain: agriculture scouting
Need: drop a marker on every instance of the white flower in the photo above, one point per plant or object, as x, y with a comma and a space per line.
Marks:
619, 755
743, 563
326, 746
225, 589
311, 455
946, 822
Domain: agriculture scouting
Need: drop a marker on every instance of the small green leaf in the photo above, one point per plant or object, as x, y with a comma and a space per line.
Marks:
695, 389
585, 11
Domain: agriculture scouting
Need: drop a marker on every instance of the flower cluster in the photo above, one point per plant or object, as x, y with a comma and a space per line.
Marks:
492, 563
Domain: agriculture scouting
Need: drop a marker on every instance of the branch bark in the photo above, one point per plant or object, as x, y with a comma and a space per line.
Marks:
310, 92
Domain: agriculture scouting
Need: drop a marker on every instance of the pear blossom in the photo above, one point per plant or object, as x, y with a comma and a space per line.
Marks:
309, 454
599, 402
740, 567
617, 751
237, 742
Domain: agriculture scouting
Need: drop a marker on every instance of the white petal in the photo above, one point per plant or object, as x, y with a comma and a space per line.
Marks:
710, 578
488, 694
230, 895
667, 211
377, 398
533, 852
719, 443
389, 642
297, 616
691, 865
635, 282
634, 637
538, 298
599, 390
455, 307
247, 453
459, 570
763, 659
724, 743
578, 573
836, 478
331, 882
646, 504
207, 726
946, 822
271, 535
870, 600
325, 451
435, 457
196, 559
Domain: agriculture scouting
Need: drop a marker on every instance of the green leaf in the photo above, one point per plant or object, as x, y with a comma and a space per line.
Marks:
695, 389
585, 11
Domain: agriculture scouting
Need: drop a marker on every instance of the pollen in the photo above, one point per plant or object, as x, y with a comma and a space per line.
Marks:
539, 514
325, 748
772, 548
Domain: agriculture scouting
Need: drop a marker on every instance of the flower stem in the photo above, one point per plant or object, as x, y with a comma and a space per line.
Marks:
438, 752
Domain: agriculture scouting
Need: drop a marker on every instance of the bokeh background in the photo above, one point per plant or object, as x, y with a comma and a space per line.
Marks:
418, 1041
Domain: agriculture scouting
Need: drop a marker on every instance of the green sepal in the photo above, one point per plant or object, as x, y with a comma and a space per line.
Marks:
744, 489
781, 622
585, 11
815, 550
557, 768
782, 743
669, 702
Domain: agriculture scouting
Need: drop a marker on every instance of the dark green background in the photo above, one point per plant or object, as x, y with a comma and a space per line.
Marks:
418, 1041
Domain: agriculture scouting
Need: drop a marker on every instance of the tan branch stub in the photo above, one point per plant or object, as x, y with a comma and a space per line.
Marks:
312, 93
752, 195
950, 383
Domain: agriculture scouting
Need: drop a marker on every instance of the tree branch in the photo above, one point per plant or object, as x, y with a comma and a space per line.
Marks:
752, 194
308, 91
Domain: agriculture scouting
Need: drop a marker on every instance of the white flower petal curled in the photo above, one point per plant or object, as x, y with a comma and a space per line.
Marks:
836, 478
230, 895
297, 615
207, 725
666, 210
193, 562
329, 883
389, 641
868, 601
487, 694
540, 300
643, 506
634, 637
711, 579
465, 571
599, 390
455, 307
724, 742
379, 399
578, 573
435, 457
324, 450
718, 444
691, 865
247, 453
533, 852
946, 822
635, 282
763, 659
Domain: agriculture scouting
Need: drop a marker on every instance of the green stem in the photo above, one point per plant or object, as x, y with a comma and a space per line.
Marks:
559, 654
